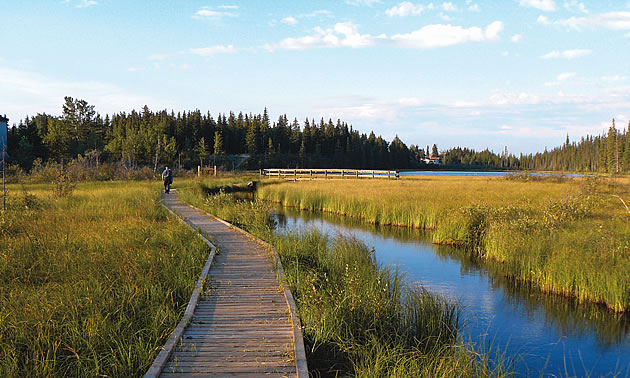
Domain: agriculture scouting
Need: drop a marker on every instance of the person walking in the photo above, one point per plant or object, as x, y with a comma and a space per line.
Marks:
167, 177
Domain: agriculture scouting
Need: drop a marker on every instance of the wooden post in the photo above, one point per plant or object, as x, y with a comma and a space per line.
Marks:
326, 173
388, 174
199, 171
310, 172
215, 171
342, 174
295, 174
372, 174
357, 173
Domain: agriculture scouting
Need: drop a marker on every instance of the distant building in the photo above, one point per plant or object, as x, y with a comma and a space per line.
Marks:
4, 121
433, 160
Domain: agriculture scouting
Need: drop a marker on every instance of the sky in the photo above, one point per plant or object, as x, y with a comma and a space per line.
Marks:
520, 74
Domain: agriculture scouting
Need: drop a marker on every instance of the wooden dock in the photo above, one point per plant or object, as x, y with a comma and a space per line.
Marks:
244, 323
329, 173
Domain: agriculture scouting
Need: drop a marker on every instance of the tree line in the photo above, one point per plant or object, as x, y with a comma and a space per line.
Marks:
187, 139
605, 153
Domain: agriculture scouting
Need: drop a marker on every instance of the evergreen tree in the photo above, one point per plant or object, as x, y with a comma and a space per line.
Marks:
218, 144
612, 149
626, 151
202, 150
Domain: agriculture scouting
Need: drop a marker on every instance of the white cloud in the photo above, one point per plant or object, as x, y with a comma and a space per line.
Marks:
207, 13
566, 54
516, 38
438, 35
514, 99
543, 20
289, 20
610, 20
614, 78
445, 17
465, 104
474, 8
543, 5
358, 3
575, 6
565, 76
405, 8
212, 50
81, 3
449, 7
343, 34
228, 6
505, 53
317, 13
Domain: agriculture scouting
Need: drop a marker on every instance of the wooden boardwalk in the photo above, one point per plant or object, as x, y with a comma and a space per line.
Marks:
323, 173
245, 323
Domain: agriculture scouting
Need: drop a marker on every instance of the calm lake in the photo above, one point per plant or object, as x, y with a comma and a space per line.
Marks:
481, 174
548, 335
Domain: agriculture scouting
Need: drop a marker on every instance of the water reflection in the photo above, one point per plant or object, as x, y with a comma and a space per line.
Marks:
550, 333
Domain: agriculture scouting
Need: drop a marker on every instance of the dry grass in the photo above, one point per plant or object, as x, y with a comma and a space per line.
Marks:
93, 283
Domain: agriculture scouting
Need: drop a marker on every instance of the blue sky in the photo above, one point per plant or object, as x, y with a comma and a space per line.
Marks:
475, 73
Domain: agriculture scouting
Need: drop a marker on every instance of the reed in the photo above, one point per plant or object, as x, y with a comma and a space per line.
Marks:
358, 318
91, 282
568, 237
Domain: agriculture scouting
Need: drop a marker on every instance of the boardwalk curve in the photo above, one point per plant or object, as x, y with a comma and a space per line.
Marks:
245, 321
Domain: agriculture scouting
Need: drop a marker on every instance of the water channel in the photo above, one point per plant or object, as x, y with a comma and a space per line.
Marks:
546, 335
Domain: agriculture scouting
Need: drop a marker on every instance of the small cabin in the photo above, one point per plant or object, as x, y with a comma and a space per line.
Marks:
433, 159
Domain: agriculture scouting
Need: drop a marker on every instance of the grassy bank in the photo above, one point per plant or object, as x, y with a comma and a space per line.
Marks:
565, 236
359, 318
92, 280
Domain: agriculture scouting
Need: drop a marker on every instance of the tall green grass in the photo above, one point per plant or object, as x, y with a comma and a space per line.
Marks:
91, 284
358, 318
567, 237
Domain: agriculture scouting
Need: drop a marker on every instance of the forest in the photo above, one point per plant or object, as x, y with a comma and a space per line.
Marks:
186, 139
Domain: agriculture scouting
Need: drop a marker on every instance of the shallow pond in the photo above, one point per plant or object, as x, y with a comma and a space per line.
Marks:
546, 333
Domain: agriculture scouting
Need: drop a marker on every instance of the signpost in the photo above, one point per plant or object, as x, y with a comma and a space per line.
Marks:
4, 121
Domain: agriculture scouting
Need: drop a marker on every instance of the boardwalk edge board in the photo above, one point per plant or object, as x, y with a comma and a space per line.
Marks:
162, 359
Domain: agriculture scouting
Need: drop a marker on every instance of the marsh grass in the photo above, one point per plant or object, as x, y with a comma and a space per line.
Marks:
568, 237
358, 318
92, 282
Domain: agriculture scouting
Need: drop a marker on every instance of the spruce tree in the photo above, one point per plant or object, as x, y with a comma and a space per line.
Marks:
612, 150
218, 143
626, 151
